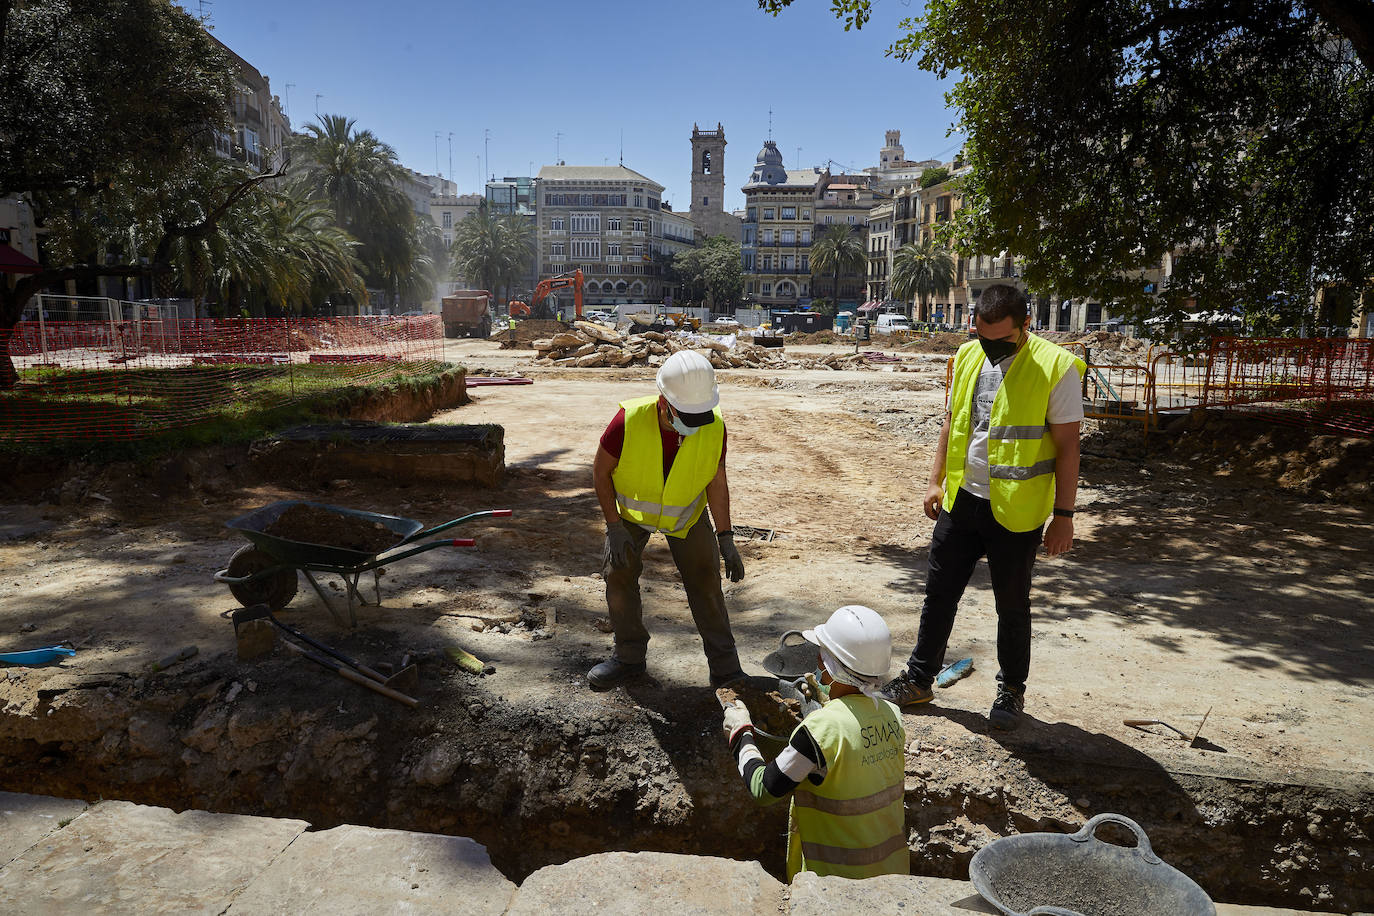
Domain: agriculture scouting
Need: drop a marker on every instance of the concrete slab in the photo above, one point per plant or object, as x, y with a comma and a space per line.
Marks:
26, 819
361, 870
917, 896
631, 884
908, 895
120, 858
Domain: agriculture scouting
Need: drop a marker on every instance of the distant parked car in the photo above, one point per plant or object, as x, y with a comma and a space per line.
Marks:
599, 317
725, 321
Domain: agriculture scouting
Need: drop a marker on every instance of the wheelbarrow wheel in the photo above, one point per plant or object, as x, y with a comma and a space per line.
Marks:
275, 590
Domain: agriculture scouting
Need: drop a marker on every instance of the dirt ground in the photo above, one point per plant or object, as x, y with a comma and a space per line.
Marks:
1191, 589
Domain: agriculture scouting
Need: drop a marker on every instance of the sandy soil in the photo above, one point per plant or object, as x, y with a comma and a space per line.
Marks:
1186, 591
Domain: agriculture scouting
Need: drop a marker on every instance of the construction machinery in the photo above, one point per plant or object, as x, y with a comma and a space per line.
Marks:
467, 313
563, 281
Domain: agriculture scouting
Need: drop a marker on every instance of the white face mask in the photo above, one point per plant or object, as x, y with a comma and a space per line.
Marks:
682, 428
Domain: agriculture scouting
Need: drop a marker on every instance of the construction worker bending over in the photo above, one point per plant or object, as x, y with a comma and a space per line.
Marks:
660, 465
1007, 457
844, 765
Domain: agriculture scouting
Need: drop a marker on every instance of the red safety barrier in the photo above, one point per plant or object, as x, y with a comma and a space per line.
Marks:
128, 379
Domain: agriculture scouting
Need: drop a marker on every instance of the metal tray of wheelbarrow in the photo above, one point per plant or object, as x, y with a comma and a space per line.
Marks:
1056, 874
254, 526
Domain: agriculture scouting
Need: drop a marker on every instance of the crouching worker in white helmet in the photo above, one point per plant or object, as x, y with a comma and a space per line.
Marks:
660, 465
844, 765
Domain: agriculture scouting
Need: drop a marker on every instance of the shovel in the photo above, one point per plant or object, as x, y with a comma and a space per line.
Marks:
263, 612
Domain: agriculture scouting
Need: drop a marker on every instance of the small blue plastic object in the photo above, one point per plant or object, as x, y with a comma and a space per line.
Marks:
35, 656
957, 671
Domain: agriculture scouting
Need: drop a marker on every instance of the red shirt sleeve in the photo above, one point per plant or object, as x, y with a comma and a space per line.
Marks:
613, 439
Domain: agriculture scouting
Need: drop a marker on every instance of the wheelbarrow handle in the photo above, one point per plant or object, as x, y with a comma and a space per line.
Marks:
493, 513
415, 549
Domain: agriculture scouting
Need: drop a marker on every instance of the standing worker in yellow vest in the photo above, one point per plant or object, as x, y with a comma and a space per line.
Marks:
1007, 459
844, 766
660, 465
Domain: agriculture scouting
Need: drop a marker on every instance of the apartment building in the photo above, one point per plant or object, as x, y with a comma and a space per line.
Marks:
609, 222
260, 128
880, 250
778, 225
842, 200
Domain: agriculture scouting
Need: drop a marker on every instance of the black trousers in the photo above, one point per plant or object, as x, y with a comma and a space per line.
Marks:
962, 536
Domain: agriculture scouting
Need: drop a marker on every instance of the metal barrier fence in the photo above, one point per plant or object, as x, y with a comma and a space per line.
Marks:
133, 373
1322, 382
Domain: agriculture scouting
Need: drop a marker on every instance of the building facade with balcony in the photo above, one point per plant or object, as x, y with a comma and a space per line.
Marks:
937, 205
775, 243
880, 251
842, 200
607, 221
260, 127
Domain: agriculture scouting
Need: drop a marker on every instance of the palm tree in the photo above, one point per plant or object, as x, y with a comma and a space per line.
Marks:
492, 249
923, 270
839, 250
358, 176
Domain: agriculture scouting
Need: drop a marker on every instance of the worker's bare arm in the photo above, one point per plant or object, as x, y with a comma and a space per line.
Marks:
1059, 535
935, 488
602, 469
718, 499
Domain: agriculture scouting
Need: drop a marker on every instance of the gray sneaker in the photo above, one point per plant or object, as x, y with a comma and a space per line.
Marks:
1006, 709
904, 691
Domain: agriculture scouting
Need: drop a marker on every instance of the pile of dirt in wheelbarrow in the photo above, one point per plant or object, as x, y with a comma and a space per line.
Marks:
313, 525
770, 710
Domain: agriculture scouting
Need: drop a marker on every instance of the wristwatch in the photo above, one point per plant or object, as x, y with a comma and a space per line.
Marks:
1063, 513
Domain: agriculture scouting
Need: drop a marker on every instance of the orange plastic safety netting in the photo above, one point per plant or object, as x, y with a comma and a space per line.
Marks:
129, 379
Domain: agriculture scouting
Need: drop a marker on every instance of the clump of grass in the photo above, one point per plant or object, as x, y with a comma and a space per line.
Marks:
165, 411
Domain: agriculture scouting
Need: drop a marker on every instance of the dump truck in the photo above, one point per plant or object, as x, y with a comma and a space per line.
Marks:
467, 313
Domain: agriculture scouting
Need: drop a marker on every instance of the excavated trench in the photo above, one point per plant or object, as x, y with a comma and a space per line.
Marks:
546, 782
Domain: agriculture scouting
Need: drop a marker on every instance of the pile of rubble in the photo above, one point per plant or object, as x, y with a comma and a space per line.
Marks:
590, 346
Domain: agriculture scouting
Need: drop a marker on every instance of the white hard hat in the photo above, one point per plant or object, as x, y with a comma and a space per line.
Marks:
858, 638
687, 380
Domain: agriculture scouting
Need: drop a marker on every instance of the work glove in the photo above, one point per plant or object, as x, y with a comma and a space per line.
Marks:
736, 720
620, 546
734, 563
813, 689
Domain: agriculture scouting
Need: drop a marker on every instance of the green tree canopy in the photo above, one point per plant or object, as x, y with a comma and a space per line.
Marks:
358, 176
711, 272
107, 107
1105, 135
933, 176
492, 249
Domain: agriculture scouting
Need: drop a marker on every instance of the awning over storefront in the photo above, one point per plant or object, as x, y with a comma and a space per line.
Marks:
16, 262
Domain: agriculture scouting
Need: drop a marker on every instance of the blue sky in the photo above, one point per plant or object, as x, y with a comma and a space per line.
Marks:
527, 70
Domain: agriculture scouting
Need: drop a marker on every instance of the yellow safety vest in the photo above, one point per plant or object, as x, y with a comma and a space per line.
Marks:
853, 824
1021, 452
641, 494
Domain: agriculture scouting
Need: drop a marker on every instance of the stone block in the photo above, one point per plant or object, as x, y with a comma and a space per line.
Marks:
120, 857
255, 639
909, 895
353, 871
26, 819
631, 884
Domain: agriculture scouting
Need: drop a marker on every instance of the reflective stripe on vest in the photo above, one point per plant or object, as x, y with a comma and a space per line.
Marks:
853, 823
642, 495
1021, 451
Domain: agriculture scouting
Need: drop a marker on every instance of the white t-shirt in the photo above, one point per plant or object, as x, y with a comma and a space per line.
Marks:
1065, 406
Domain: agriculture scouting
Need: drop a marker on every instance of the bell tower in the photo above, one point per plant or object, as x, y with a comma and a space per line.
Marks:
708, 182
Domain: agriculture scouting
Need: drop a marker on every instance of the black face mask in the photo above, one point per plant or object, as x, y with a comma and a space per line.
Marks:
996, 350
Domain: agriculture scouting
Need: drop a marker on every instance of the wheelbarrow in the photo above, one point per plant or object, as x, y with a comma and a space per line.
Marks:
1055, 874
264, 571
